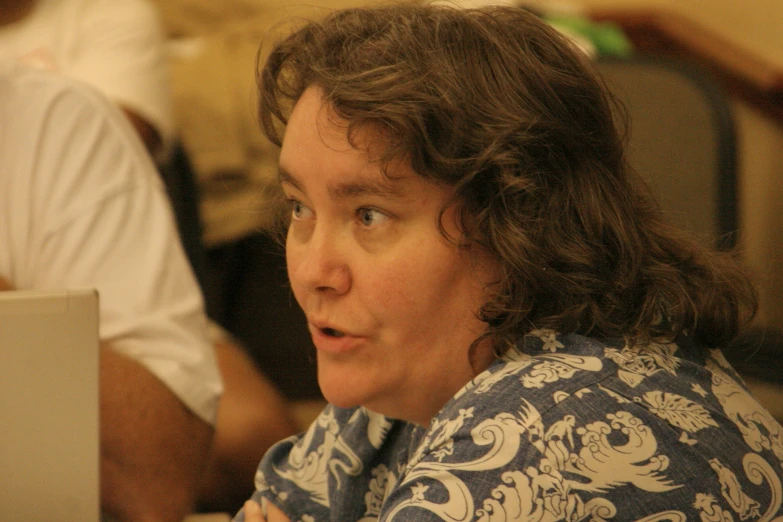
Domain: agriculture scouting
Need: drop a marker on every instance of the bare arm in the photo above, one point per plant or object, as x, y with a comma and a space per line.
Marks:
253, 415
153, 449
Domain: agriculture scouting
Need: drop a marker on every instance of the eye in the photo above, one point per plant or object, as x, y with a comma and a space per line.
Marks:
299, 210
369, 217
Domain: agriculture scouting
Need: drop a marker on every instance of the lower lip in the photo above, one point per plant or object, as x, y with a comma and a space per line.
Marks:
336, 345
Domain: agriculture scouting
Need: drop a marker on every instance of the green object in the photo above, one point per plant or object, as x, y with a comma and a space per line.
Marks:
608, 39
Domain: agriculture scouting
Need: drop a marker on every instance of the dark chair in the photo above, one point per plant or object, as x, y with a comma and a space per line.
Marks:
757, 355
682, 141
182, 189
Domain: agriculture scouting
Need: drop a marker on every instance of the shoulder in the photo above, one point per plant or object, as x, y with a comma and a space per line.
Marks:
21, 81
66, 139
119, 10
38, 94
81, 13
53, 113
534, 383
113, 21
596, 424
544, 367
552, 377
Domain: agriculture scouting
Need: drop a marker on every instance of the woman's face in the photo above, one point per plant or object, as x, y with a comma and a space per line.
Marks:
390, 303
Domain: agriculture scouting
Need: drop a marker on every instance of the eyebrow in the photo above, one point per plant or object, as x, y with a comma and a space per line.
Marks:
348, 189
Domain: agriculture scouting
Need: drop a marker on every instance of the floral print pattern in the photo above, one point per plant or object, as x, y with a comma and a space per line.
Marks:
562, 428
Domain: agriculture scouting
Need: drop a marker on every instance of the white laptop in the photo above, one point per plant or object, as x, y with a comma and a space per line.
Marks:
49, 440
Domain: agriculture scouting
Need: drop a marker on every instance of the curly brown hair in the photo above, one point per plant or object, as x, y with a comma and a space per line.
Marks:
498, 105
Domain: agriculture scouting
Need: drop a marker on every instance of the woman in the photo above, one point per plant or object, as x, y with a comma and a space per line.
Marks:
506, 327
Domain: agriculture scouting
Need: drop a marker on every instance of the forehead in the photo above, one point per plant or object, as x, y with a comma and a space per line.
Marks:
316, 147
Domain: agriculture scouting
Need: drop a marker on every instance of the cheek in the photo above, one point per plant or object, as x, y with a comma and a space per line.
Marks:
293, 260
389, 289
421, 285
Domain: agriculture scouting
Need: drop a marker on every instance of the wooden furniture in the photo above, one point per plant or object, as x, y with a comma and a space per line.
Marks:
744, 74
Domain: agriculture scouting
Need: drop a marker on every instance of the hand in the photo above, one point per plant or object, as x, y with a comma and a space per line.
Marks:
253, 512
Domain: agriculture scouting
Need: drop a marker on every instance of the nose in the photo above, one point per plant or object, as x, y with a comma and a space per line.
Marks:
317, 262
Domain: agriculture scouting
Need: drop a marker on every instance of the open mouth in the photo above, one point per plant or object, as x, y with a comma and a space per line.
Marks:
331, 332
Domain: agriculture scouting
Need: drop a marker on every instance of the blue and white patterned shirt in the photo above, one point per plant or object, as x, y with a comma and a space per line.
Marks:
564, 428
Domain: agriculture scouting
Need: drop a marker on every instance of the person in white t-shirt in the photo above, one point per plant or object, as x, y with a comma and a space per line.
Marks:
82, 205
114, 45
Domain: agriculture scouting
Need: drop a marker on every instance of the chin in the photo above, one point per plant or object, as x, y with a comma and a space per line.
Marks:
346, 382
340, 392
340, 400
346, 396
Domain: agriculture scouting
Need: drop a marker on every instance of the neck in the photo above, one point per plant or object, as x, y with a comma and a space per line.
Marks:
12, 11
